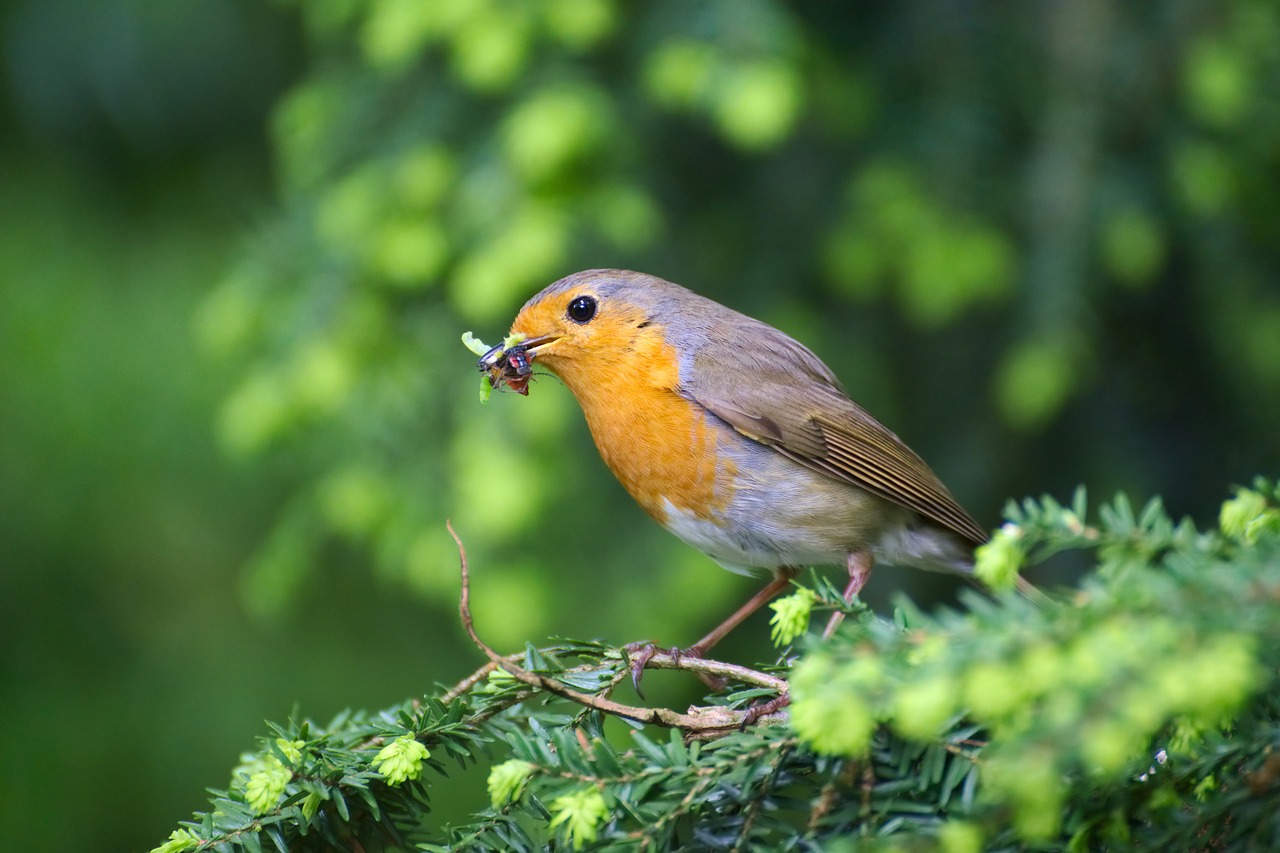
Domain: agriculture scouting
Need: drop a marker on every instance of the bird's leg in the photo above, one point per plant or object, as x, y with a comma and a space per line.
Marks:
859, 564
771, 590
640, 653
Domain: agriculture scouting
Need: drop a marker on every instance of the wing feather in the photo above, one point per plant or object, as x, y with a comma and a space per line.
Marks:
792, 402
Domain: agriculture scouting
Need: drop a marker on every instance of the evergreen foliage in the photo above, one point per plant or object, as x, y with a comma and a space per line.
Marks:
1136, 711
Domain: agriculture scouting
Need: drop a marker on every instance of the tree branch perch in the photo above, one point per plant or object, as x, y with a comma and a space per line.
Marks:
698, 721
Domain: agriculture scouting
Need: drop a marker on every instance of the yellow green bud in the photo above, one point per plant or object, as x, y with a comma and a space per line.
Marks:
290, 749
996, 563
581, 814
507, 781
957, 836
265, 787
829, 713
179, 840
921, 708
401, 760
791, 616
992, 690
1238, 513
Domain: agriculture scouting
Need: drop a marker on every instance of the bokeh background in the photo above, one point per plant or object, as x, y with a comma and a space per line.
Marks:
239, 242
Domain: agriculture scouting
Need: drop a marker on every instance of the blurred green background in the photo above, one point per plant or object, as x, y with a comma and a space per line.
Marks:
239, 241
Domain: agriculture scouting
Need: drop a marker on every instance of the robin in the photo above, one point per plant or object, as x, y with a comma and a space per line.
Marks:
734, 436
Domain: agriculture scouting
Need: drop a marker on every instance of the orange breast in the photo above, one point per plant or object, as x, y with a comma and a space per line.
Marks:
660, 446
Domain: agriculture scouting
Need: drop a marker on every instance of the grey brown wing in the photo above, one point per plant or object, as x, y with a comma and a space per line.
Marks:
780, 399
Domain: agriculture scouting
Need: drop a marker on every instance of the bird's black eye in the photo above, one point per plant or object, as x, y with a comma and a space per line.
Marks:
582, 309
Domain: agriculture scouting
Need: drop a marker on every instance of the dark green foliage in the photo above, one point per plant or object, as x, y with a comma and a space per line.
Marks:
1139, 711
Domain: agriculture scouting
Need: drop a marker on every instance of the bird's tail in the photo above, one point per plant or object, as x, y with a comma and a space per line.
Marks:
936, 550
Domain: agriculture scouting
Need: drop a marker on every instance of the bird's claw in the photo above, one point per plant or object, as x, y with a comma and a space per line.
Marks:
639, 655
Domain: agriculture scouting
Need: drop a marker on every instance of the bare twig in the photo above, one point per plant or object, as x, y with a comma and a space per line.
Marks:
473, 679
698, 721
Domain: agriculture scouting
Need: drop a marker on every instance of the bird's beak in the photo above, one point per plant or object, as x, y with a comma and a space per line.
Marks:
534, 344
493, 357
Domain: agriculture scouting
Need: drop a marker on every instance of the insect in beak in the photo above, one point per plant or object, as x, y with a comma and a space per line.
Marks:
510, 364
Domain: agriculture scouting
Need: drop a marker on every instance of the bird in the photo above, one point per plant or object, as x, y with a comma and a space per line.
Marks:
734, 436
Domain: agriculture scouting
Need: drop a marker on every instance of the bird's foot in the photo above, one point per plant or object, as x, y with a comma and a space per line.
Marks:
639, 655
764, 709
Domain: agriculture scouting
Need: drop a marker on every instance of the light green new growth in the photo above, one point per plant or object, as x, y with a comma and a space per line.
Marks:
791, 616
401, 759
1140, 706
264, 788
180, 840
581, 812
507, 781
291, 749
997, 562
1248, 516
